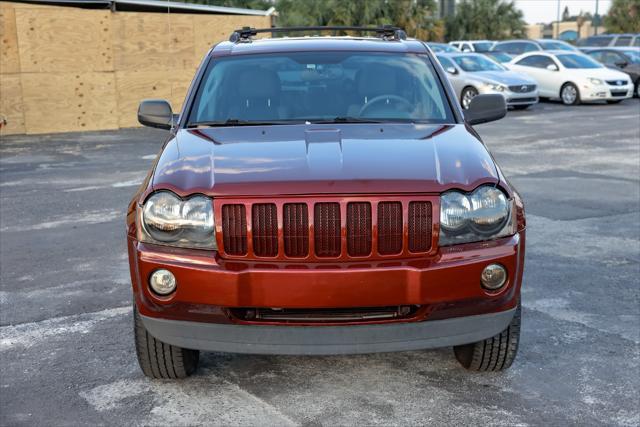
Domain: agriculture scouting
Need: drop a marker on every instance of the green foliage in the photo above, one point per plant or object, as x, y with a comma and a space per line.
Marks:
485, 19
623, 17
245, 4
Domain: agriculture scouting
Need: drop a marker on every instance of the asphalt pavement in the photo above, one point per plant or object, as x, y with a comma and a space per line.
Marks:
66, 345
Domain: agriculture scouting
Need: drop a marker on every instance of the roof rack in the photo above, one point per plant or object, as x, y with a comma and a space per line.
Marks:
386, 32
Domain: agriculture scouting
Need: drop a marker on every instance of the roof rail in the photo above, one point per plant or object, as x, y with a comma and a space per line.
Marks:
386, 32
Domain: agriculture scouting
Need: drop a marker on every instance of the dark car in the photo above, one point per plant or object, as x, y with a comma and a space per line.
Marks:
518, 47
626, 60
324, 195
610, 40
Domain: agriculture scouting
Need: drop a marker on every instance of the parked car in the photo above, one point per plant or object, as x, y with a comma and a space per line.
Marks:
625, 59
324, 195
472, 45
605, 40
517, 47
472, 74
573, 77
442, 47
499, 57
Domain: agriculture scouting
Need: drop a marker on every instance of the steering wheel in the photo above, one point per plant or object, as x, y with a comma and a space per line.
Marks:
381, 98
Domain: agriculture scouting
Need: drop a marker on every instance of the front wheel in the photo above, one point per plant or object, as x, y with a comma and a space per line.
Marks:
468, 93
570, 94
493, 354
161, 360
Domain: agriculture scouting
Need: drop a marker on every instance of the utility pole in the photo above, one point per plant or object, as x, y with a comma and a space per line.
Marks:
596, 18
558, 21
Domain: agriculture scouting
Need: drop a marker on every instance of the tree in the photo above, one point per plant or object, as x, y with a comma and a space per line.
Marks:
485, 19
623, 17
566, 15
245, 4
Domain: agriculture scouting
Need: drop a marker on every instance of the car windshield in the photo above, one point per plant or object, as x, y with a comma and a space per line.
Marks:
633, 55
482, 46
577, 61
500, 56
555, 46
299, 87
473, 63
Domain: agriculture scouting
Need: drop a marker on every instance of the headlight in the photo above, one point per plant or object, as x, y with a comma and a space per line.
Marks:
495, 86
484, 214
167, 219
595, 81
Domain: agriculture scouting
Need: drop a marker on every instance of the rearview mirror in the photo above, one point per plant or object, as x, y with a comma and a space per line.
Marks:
552, 67
451, 70
485, 108
155, 113
621, 64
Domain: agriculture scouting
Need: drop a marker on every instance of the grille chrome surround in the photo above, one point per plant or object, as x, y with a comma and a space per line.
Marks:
522, 88
327, 228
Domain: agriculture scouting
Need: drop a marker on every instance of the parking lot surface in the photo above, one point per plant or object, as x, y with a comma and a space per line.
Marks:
66, 345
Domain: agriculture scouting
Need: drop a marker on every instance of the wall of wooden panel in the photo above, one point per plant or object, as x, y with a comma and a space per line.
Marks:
68, 69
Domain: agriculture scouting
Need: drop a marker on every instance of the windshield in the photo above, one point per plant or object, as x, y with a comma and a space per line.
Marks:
285, 88
473, 63
555, 46
633, 55
500, 56
482, 46
577, 61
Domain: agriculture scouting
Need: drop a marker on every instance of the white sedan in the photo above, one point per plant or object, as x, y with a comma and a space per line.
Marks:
573, 77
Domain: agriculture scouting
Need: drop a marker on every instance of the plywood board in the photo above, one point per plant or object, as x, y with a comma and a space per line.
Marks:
134, 86
64, 40
209, 30
152, 41
9, 59
11, 104
64, 102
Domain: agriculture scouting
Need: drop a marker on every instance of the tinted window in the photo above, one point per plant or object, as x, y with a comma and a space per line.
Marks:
611, 58
573, 60
636, 41
623, 41
598, 55
314, 86
551, 45
516, 48
482, 46
632, 56
500, 56
445, 62
473, 63
538, 61
596, 41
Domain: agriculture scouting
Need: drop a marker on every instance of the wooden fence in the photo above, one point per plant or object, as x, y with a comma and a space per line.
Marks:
67, 69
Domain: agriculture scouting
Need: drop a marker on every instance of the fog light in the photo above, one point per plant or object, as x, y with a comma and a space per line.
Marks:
493, 276
163, 282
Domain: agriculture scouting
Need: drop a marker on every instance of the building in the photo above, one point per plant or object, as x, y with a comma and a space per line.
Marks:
564, 30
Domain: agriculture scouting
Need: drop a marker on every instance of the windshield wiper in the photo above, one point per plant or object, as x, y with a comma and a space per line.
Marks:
238, 122
347, 119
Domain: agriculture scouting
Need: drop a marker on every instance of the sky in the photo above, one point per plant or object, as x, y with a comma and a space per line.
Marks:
545, 10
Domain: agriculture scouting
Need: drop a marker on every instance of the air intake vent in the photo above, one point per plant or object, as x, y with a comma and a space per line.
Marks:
327, 229
419, 226
389, 228
234, 229
264, 228
296, 230
359, 229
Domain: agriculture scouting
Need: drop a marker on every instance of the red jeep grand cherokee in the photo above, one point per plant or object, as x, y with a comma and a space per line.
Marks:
324, 195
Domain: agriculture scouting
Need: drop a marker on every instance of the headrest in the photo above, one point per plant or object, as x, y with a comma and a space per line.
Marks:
258, 82
376, 80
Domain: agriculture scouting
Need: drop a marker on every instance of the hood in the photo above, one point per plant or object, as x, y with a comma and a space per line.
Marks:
601, 73
508, 78
323, 159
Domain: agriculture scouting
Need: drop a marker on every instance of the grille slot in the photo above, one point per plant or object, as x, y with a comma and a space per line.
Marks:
359, 228
296, 229
389, 228
234, 229
264, 227
327, 229
419, 226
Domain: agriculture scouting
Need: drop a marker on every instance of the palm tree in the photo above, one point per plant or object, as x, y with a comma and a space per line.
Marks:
485, 19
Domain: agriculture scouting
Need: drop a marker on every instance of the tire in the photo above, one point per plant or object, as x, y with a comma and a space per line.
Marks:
158, 359
521, 107
493, 354
468, 93
569, 94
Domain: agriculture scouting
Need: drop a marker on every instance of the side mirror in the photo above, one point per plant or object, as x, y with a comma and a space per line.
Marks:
621, 64
552, 67
485, 108
451, 70
155, 113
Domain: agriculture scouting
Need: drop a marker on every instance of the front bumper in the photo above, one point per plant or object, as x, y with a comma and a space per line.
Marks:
324, 340
514, 98
590, 92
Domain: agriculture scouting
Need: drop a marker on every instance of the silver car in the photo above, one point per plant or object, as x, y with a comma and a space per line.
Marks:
473, 73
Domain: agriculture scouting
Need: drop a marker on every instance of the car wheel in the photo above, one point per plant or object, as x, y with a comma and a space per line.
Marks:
158, 359
493, 354
521, 107
569, 94
468, 93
